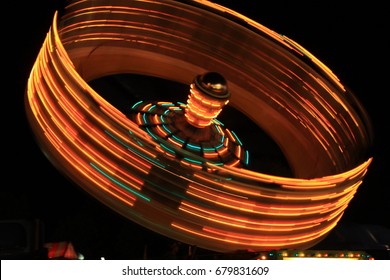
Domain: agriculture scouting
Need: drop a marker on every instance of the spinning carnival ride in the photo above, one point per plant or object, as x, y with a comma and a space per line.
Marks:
173, 167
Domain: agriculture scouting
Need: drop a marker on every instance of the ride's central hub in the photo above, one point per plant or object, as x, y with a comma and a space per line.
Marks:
208, 94
194, 127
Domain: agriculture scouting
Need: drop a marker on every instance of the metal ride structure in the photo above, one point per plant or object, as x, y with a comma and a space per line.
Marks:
163, 181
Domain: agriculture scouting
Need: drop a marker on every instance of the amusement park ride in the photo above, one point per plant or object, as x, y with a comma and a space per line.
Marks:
174, 167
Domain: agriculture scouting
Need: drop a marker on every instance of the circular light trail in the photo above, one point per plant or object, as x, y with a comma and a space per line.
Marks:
194, 126
321, 128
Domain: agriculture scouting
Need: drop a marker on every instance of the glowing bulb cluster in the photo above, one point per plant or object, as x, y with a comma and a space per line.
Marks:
208, 94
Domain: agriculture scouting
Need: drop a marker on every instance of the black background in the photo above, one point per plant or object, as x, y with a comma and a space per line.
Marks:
349, 39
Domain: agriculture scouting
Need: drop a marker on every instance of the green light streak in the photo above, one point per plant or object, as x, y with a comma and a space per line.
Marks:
119, 183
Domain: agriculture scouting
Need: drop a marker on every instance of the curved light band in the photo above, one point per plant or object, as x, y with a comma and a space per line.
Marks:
165, 120
320, 127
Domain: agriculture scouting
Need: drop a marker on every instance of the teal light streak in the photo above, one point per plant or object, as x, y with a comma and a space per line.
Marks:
144, 118
178, 139
151, 134
235, 136
136, 104
219, 146
135, 138
151, 108
216, 121
167, 104
166, 129
218, 128
193, 161
167, 149
193, 147
246, 157
120, 184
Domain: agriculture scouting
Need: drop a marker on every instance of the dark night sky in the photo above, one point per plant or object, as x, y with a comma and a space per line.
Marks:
350, 40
